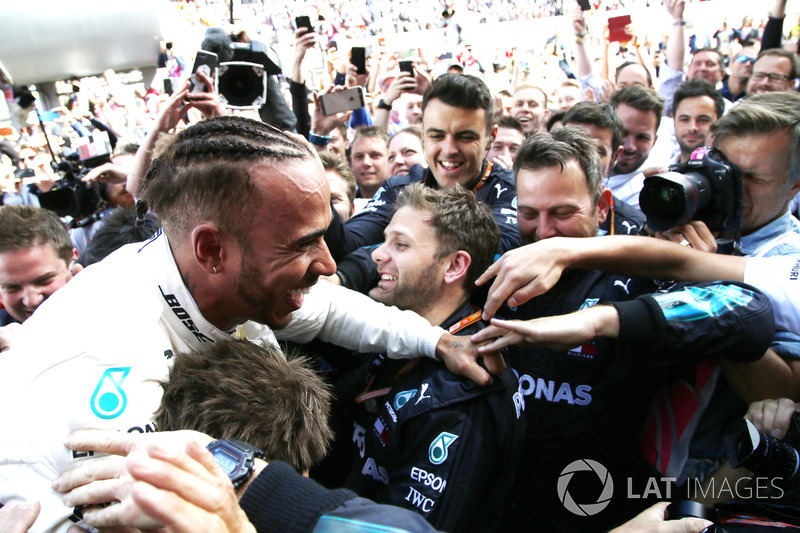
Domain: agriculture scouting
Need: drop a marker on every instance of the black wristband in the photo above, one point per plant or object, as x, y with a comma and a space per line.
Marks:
384, 105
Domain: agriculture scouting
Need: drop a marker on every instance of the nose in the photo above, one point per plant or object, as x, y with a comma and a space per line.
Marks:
627, 143
546, 228
323, 264
449, 145
32, 297
379, 254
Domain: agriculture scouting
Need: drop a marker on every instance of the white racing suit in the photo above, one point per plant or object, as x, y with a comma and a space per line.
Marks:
94, 354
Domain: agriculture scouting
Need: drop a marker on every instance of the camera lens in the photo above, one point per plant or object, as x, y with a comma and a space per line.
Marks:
672, 198
764, 454
241, 84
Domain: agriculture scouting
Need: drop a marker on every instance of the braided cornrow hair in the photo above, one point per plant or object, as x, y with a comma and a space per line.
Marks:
203, 175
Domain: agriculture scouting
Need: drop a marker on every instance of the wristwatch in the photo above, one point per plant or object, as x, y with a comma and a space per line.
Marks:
236, 458
384, 105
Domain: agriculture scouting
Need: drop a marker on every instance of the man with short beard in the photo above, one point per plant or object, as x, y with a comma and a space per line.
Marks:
423, 438
244, 208
590, 352
697, 106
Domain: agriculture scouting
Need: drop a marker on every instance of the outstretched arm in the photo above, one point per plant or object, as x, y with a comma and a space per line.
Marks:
676, 42
533, 269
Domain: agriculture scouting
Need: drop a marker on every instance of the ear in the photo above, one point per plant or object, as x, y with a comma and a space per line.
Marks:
492, 135
74, 267
604, 204
793, 190
457, 267
210, 248
615, 157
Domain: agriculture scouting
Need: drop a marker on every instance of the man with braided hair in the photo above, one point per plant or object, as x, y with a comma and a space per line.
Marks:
244, 208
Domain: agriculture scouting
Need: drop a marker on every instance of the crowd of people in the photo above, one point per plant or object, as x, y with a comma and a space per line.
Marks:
536, 293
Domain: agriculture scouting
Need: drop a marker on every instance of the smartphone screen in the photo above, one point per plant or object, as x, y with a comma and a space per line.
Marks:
359, 59
303, 22
205, 62
406, 66
585, 5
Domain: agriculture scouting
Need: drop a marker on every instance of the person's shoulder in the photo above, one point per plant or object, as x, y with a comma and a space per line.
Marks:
502, 174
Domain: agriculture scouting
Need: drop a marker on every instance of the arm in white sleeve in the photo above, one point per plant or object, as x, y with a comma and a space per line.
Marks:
779, 278
355, 321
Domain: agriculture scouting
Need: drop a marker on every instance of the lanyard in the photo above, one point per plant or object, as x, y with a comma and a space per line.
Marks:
368, 394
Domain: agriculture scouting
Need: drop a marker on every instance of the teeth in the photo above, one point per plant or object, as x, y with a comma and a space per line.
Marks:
450, 164
299, 292
388, 277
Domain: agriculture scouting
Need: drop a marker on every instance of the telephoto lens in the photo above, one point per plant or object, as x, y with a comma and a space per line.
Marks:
764, 454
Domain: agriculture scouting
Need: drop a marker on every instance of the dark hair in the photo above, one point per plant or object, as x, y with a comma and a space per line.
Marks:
510, 123
461, 90
24, 226
244, 391
555, 117
119, 228
204, 174
640, 98
699, 87
781, 52
597, 114
558, 148
627, 64
331, 161
459, 221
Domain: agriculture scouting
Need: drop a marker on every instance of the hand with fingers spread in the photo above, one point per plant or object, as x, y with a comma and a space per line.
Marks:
554, 332
461, 356
186, 491
105, 480
524, 273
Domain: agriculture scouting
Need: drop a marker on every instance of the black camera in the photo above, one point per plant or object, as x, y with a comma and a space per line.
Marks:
708, 188
71, 197
764, 454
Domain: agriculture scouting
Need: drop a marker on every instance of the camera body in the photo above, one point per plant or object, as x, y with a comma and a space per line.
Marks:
707, 188
71, 197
